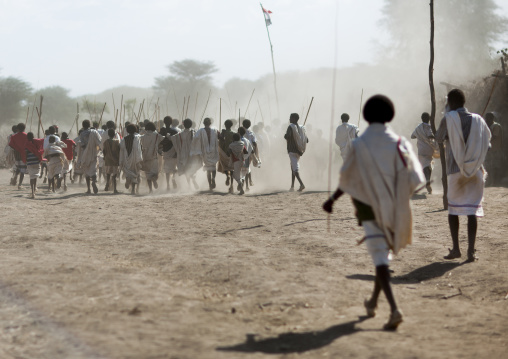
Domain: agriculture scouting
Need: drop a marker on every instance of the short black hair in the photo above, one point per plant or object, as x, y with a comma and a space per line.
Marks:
64, 135
344, 117
52, 130
457, 97
163, 131
490, 116
187, 123
228, 124
14, 128
246, 123
168, 121
294, 116
104, 127
425, 117
30, 136
110, 124
242, 131
21, 127
378, 109
175, 122
150, 126
95, 124
207, 120
131, 128
52, 139
236, 137
86, 124
111, 132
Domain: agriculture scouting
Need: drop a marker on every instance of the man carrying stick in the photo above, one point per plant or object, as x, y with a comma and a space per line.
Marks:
426, 145
466, 137
131, 157
90, 143
297, 140
380, 173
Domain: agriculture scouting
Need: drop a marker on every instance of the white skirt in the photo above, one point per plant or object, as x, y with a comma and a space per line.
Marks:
465, 195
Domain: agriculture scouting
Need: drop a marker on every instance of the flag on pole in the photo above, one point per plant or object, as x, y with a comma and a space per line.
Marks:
267, 13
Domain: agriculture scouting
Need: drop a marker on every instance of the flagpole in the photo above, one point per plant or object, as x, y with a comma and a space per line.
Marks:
273, 62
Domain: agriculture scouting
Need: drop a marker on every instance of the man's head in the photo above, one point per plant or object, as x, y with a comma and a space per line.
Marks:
104, 127
163, 131
456, 99
131, 129
64, 136
168, 121
242, 131
14, 128
85, 124
378, 109
52, 139
344, 117
236, 137
425, 117
150, 126
110, 124
46, 133
228, 124
145, 121
29, 136
207, 122
111, 132
127, 123
246, 123
490, 118
187, 123
21, 127
95, 124
51, 130
294, 117
175, 122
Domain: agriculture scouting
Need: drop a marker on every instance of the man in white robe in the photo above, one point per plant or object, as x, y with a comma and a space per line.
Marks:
344, 135
296, 144
187, 164
427, 146
56, 162
381, 173
150, 147
90, 144
131, 157
206, 145
466, 137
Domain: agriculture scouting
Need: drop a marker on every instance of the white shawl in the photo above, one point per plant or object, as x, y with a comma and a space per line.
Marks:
471, 155
208, 150
131, 164
88, 155
344, 135
382, 171
300, 136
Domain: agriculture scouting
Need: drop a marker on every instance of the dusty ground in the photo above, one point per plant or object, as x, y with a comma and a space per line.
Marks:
222, 276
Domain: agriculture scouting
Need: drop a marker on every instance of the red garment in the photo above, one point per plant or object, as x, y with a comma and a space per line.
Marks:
17, 142
69, 151
36, 147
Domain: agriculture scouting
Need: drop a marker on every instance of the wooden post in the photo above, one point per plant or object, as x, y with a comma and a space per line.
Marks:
27, 112
206, 105
196, 105
360, 111
77, 116
32, 115
261, 112
252, 94
444, 179
102, 113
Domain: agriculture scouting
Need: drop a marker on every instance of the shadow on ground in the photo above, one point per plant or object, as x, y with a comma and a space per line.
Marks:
295, 342
430, 271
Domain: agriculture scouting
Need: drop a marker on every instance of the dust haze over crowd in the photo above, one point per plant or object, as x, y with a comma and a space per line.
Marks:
465, 33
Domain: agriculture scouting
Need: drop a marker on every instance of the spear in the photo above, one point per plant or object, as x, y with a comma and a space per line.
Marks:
308, 111
238, 118
252, 94
114, 107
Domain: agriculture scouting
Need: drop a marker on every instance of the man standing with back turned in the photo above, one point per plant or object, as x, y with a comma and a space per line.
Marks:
466, 137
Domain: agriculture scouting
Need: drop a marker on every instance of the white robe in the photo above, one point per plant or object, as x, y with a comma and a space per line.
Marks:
131, 163
87, 160
149, 146
344, 135
207, 148
382, 171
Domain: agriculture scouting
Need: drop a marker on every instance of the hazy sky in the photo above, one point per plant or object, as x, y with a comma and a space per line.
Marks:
89, 46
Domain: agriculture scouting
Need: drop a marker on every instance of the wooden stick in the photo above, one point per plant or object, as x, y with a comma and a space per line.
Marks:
176, 102
114, 107
206, 105
32, 115
77, 117
252, 94
40, 116
360, 112
261, 112
140, 109
121, 105
196, 105
490, 95
220, 114
183, 109
311, 100
239, 119
27, 112
100, 121
95, 108
88, 108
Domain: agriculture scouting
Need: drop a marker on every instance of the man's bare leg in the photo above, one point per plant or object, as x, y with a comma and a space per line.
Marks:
88, 185
108, 178
167, 182
453, 222
114, 184
472, 227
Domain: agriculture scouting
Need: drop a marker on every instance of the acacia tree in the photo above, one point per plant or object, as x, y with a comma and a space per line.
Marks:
14, 95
